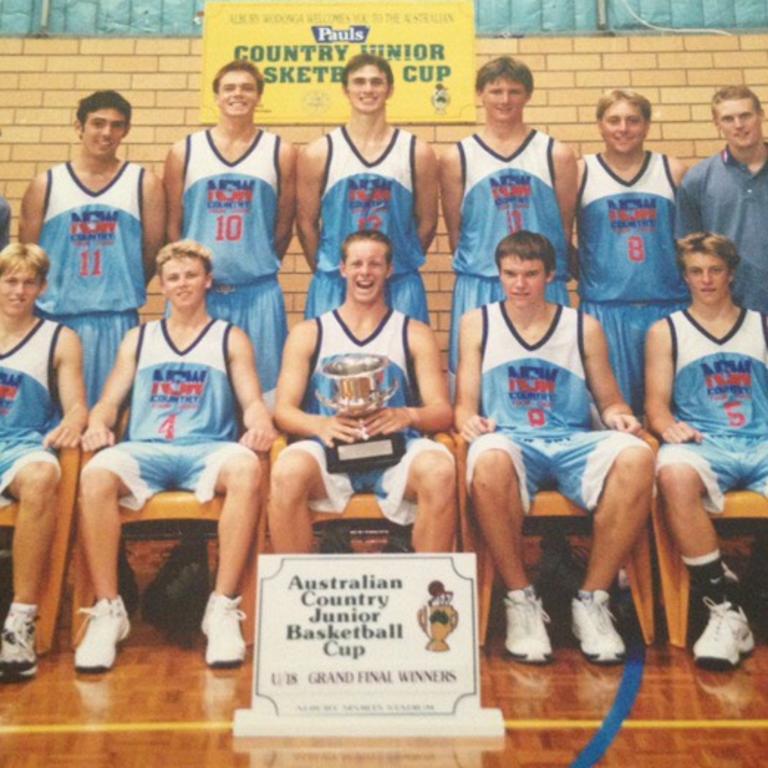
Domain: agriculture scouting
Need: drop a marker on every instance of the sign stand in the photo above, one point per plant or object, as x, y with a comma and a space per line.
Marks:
367, 646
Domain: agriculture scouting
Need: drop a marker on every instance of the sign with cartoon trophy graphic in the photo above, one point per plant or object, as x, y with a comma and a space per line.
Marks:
367, 645
301, 49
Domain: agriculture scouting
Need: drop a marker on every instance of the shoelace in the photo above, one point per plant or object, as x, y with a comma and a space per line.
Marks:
601, 615
19, 633
719, 611
90, 613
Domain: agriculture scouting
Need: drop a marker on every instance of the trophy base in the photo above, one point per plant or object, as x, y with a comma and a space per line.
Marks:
375, 453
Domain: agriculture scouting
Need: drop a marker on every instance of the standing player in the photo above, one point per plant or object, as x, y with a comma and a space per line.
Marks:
728, 192
367, 175
232, 188
40, 370
186, 376
97, 217
420, 489
628, 278
503, 179
528, 372
707, 382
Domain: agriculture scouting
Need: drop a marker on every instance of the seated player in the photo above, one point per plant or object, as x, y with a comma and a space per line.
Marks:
186, 376
707, 396
528, 372
420, 488
40, 367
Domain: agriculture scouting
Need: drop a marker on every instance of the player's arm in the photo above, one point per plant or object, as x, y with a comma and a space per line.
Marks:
286, 201
434, 414
310, 170
68, 365
677, 169
103, 416
259, 431
614, 411
153, 221
468, 421
573, 249
452, 193
566, 185
291, 387
173, 180
33, 210
659, 383
688, 216
425, 193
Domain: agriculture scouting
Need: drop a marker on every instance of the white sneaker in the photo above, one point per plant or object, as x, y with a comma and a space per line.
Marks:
527, 640
107, 625
18, 659
594, 629
221, 625
726, 638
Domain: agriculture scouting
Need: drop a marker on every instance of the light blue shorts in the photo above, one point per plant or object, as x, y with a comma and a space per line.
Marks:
100, 334
148, 468
14, 456
473, 291
259, 309
626, 326
405, 293
388, 484
576, 466
722, 463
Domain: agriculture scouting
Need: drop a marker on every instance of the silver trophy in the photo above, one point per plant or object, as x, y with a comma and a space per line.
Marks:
359, 382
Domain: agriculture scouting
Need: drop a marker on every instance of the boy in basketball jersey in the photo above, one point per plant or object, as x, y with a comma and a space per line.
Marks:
367, 175
504, 178
186, 376
232, 188
40, 377
101, 220
420, 488
628, 278
528, 374
707, 397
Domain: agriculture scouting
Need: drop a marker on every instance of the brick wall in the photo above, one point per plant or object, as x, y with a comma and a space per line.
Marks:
42, 80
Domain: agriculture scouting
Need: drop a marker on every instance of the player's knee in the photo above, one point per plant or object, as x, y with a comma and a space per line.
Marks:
635, 466
38, 481
493, 468
97, 486
241, 475
290, 476
436, 472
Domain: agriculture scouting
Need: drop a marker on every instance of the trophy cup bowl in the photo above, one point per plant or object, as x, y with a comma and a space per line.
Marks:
359, 382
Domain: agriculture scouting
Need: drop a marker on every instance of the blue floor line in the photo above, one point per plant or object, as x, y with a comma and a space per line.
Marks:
622, 706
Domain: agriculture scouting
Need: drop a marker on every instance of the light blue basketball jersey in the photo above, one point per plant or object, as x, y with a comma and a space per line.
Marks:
94, 242
537, 390
503, 195
232, 207
27, 402
377, 195
182, 396
721, 385
626, 241
389, 339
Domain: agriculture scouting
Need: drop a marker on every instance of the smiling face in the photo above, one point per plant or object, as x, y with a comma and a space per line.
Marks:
184, 281
102, 132
623, 128
366, 270
740, 123
19, 289
238, 94
504, 100
367, 89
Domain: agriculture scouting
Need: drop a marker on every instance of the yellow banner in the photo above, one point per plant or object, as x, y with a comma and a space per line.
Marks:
301, 49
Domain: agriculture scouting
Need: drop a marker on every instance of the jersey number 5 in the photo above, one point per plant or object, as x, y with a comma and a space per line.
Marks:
735, 419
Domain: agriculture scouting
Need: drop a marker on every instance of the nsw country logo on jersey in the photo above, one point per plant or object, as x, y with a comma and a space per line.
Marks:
229, 194
182, 388
632, 213
93, 227
9, 389
532, 388
727, 379
368, 199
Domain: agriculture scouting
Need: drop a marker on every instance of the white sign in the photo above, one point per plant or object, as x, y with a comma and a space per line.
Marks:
367, 645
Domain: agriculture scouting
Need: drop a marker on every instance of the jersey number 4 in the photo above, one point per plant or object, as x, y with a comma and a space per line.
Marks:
168, 427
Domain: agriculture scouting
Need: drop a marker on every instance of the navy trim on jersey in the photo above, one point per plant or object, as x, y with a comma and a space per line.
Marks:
631, 183
32, 331
414, 395
412, 161
53, 387
463, 161
141, 200
673, 339
225, 350
551, 160
240, 159
379, 159
728, 336
528, 139
48, 186
484, 334
140, 342
580, 340
351, 336
169, 340
90, 192
277, 167
316, 351
187, 155
327, 169
668, 171
765, 327
582, 187
543, 340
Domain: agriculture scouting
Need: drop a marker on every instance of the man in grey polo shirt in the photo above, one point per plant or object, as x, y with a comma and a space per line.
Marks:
728, 193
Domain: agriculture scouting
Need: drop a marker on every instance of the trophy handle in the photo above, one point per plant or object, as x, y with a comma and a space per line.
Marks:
387, 394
